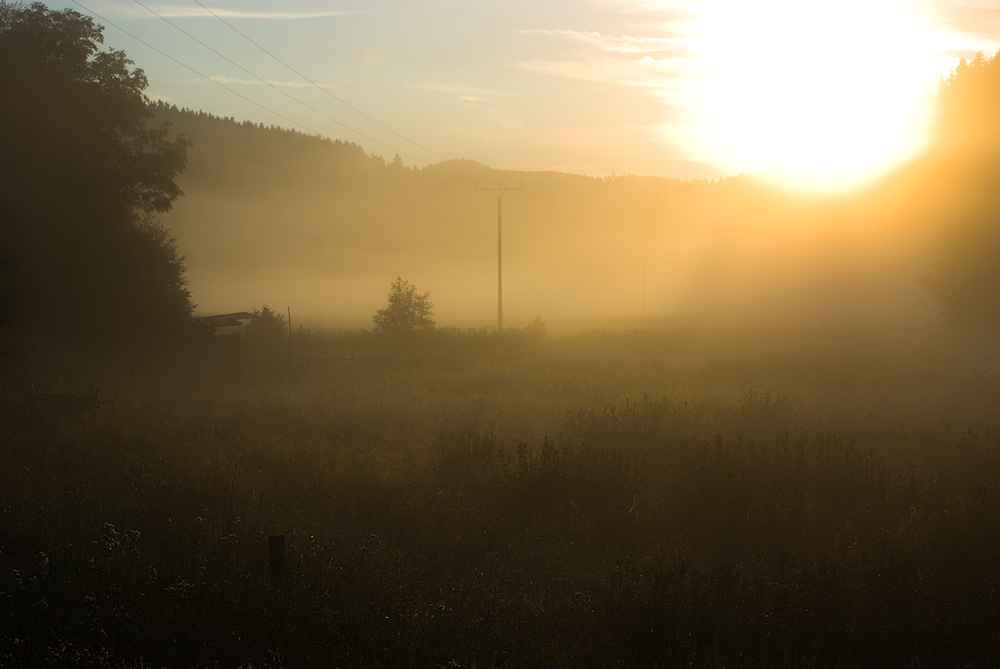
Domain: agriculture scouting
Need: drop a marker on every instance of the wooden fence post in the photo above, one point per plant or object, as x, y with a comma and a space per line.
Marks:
276, 548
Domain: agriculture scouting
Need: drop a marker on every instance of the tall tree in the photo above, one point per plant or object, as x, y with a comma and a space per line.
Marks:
966, 281
968, 103
83, 173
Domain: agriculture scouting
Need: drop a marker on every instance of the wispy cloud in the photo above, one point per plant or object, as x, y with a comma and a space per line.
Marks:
979, 18
659, 63
663, 69
466, 93
371, 56
623, 44
132, 11
237, 81
673, 10
644, 72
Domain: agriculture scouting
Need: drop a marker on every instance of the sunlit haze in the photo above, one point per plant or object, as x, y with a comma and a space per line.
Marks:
820, 95
467, 333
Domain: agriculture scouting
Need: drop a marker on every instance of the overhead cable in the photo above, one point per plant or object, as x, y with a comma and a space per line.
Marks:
203, 76
268, 83
322, 88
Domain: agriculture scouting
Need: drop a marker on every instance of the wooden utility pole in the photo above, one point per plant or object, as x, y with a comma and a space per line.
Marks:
643, 278
278, 563
499, 191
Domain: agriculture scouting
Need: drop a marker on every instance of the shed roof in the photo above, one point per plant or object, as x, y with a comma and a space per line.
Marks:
224, 320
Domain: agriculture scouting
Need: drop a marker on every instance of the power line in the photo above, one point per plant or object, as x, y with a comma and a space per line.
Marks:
268, 83
355, 109
203, 76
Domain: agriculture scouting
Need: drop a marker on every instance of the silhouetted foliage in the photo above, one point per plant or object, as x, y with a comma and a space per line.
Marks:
537, 327
965, 281
83, 173
406, 312
267, 335
968, 101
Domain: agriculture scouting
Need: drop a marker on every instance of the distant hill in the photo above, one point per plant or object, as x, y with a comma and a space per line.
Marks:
275, 216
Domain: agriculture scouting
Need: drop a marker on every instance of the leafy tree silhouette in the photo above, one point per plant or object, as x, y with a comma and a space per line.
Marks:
407, 311
266, 335
82, 175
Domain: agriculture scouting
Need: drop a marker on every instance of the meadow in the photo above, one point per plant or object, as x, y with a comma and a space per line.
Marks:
681, 497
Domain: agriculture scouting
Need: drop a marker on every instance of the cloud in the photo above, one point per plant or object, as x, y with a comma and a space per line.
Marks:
955, 55
371, 55
467, 93
222, 79
194, 11
646, 72
620, 44
666, 69
154, 94
980, 19
660, 63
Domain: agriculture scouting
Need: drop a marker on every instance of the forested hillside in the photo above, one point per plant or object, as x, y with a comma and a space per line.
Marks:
274, 216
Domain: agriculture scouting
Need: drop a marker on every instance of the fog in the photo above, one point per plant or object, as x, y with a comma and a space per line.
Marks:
724, 424
274, 217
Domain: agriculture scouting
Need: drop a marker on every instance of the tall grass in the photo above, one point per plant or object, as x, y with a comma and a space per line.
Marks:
614, 499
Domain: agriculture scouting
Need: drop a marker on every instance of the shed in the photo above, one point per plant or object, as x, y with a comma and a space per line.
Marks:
226, 346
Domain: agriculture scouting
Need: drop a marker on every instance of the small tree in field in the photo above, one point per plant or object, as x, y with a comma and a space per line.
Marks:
406, 312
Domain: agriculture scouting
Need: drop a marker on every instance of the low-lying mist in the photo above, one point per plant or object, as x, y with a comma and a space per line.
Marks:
275, 217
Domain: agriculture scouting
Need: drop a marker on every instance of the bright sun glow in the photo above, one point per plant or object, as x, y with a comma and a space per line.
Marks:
820, 95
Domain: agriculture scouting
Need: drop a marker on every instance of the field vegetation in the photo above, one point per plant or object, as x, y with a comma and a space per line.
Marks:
821, 495
687, 497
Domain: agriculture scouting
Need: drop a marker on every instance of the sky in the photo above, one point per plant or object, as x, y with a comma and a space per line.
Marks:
819, 95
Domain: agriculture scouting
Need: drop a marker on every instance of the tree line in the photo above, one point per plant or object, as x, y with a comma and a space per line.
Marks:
966, 280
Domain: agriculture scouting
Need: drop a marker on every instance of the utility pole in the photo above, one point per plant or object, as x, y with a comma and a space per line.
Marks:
643, 279
499, 191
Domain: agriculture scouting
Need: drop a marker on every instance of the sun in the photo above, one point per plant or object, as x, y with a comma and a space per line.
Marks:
818, 95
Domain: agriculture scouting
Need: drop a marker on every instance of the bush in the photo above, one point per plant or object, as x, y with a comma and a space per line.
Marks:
267, 335
406, 312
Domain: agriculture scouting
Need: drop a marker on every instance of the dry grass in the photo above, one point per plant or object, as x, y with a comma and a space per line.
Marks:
613, 499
